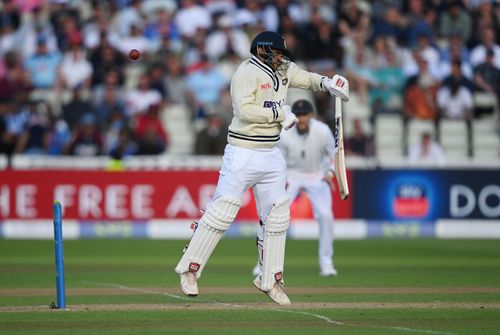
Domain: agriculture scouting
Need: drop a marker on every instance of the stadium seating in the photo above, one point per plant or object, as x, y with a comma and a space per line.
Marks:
486, 141
454, 138
389, 136
176, 119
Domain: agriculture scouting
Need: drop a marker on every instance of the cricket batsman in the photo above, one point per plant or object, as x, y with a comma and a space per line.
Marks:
252, 159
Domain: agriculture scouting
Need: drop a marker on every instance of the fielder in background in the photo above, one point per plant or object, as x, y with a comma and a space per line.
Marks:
252, 159
309, 150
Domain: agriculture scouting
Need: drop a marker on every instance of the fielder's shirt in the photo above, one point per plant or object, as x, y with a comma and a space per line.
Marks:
309, 154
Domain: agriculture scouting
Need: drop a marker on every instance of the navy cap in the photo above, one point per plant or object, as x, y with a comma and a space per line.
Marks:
302, 107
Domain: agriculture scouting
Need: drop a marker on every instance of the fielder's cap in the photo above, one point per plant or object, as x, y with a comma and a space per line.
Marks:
302, 107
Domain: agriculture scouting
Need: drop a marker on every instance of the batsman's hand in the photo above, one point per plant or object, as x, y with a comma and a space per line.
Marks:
290, 118
338, 86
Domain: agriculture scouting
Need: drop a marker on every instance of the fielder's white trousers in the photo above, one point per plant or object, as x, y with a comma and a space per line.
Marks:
320, 195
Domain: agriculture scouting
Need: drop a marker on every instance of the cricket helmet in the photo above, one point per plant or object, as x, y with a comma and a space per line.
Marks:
272, 44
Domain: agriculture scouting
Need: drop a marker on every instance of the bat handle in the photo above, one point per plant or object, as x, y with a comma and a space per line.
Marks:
338, 107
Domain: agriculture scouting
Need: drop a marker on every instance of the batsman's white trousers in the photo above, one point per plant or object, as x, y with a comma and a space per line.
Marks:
262, 169
320, 195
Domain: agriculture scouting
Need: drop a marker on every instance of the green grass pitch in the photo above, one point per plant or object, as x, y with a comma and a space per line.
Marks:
384, 286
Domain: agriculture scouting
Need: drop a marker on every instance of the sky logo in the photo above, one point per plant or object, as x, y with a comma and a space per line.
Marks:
411, 201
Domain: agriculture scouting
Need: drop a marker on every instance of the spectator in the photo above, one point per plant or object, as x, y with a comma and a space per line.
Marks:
420, 94
134, 40
195, 51
105, 59
116, 122
140, 99
75, 70
359, 70
14, 81
38, 28
456, 20
249, 15
95, 29
455, 51
86, 139
359, 143
455, 101
10, 21
487, 76
457, 76
482, 18
111, 83
212, 139
387, 85
322, 40
274, 12
124, 145
478, 54
191, 17
34, 139
162, 33
354, 20
110, 104
43, 66
59, 138
416, 22
430, 53
150, 133
391, 25
76, 109
227, 39
156, 75
426, 151
128, 17
204, 89
175, 79
14, 120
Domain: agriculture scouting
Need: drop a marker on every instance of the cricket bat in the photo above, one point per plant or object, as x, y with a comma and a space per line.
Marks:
340, 171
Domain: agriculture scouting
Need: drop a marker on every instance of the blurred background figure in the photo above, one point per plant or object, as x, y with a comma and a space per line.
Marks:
34, 139
359, 143
212, 139
86, 139
150, 133
487, 80
204, 88
426, 151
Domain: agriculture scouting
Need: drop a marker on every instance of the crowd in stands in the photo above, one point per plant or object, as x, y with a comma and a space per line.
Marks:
67, 86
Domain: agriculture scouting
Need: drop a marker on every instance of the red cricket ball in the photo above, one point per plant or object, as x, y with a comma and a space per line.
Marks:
134, 54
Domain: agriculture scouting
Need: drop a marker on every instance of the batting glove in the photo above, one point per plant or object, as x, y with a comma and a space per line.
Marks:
290, 118
338, 86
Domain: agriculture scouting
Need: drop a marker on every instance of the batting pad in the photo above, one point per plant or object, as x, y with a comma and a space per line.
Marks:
275, 228
218, 216
200, 248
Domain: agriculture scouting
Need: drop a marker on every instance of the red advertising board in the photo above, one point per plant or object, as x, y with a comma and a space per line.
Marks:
125, 195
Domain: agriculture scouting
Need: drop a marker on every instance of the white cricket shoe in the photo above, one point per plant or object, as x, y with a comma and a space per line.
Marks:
189, 286
328, 272
277, 293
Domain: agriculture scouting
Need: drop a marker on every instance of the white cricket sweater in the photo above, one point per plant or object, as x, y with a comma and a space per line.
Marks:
258, 95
